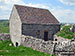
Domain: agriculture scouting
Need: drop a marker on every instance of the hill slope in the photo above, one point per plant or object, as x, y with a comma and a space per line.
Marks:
6, 50
66, 33
4, 26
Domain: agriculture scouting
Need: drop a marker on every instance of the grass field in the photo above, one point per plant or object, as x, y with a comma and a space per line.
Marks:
4, 26
66, 33
7, 50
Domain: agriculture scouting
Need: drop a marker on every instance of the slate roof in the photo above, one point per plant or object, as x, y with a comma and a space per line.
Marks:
31, 15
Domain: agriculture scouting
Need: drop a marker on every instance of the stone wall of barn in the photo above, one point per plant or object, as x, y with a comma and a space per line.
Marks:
32, 29
15, 27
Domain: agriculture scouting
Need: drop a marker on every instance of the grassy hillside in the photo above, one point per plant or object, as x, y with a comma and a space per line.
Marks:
4, 26
7, 50
66, 33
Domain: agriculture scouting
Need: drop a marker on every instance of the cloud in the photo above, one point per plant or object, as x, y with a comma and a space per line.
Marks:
37, 5
6, 6
64, 15
10, 2
4, 17
68, 2
2, 8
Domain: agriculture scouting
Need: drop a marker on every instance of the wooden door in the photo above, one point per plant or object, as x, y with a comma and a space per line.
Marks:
46, 35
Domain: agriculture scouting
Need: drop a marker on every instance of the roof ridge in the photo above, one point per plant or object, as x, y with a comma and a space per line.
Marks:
30, 7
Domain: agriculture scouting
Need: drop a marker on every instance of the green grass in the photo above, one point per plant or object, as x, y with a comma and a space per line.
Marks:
66, 33
7, 50
4, 26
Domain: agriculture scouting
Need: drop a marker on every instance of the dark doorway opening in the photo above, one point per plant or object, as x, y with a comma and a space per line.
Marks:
16, 44
46, 35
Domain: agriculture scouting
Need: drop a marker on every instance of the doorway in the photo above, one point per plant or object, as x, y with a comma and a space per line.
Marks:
16, 44
46, 35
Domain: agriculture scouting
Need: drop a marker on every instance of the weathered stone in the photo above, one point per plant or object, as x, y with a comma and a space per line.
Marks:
36, 44
4, 36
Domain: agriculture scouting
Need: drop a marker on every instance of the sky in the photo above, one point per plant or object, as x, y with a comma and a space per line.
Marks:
63, 10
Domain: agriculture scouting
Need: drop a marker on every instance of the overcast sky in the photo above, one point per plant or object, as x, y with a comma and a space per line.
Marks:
63, 10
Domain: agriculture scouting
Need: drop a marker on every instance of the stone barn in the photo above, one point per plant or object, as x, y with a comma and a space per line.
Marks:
30, 21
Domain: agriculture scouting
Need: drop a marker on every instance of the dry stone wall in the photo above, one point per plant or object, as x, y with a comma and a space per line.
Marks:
48, 46
66, 50
4, 36
44, 46
37, 44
